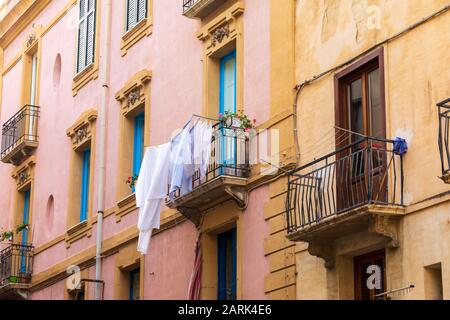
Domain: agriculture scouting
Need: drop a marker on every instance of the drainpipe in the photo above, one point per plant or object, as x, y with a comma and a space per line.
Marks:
105, 73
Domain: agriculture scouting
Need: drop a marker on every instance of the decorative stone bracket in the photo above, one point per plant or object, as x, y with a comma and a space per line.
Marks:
324, 251
222, 29
239, 195
134, 93
387, 227
24, 174
82, 131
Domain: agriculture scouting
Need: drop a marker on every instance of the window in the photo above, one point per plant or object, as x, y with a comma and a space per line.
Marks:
360, 105
228, 83
136, 12
135, 287
372, 264
138, 144
86, 33
227, 102
226, 249
433, 282
85, 173
26, 215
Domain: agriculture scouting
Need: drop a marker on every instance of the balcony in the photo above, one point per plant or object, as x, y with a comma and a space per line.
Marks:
200, 8
16, 268
358, 187
225, 178
19, 135
444, 137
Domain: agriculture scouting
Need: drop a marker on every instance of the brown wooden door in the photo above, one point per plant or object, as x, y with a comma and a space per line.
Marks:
361, 265
361, 110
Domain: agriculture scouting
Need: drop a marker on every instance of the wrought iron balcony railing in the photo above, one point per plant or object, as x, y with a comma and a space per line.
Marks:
366, 172
19, 135
228, 169
200, 8
229, 156
444, 138
16, 264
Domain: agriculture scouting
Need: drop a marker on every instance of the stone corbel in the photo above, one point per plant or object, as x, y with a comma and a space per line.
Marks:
324, 251
193, 214
386, 227
239, 195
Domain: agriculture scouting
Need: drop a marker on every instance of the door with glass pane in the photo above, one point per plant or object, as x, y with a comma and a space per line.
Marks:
227, 103
31, 130
25, 220
362, 114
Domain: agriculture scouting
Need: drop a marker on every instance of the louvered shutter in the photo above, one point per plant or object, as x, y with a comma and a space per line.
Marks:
131, 13
142, 10
86, 33
81, 35
90, 41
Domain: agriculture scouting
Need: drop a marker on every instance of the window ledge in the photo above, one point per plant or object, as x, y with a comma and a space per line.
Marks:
143, 29
83, 77
125, 206
77, 232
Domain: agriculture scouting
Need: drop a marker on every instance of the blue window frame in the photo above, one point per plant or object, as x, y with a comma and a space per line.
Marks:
26, 215
135, 279
226, 249
227, 102
228, 83
138, 144
25, 220
85, 174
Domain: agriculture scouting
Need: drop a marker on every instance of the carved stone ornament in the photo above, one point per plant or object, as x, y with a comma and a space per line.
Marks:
133, 96
81, 134
23, 177
31, 39
219, 34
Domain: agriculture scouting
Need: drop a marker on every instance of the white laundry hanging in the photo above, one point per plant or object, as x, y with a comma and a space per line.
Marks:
151, 190
202, 134
182, 168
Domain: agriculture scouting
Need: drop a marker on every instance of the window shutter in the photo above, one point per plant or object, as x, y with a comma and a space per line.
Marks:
81, 45
86, 33
90, 38
142, 12
131, 13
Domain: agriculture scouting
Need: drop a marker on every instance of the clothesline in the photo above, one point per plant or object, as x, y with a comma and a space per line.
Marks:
190, 120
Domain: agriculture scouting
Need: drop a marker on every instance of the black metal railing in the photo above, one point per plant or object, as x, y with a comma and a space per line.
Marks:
364, 172
21, 127
16, 264
188, 4
444, 135
229, 156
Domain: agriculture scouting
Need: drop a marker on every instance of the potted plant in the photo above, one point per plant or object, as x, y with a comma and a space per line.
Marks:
237, 119
131, 181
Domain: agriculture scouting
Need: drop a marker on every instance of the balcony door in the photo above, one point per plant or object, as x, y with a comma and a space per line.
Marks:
25, 220
227, 103
361, 169
32, 102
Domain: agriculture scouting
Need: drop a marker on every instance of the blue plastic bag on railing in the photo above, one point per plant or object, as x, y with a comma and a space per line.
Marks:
400, 146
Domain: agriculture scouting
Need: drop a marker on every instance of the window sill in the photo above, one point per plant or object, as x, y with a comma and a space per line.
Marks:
82, 78
143, 29
77, 232
125, 206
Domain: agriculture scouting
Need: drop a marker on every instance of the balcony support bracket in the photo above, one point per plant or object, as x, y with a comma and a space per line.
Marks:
193, 214
385, 226
239, 195
323, 250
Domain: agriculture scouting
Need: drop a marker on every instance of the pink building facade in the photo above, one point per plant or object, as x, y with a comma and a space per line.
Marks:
165, 66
